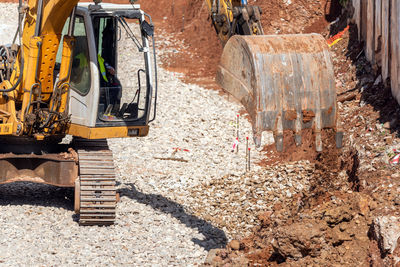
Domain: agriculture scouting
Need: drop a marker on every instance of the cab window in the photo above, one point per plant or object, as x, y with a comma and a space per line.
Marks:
80, 72
80, 80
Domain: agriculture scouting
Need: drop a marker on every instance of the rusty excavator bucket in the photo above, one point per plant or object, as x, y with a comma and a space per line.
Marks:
285, 82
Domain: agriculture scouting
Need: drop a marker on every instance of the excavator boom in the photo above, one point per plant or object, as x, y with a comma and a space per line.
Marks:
34, 68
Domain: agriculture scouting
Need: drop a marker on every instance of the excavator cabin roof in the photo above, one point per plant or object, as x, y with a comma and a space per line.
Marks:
127, 11
107, 7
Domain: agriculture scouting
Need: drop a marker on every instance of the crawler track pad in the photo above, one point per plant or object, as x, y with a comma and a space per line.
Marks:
97, 192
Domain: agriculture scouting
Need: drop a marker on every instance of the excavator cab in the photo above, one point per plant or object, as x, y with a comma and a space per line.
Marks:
104, 101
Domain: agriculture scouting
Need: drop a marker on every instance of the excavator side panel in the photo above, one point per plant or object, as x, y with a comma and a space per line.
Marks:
286, 82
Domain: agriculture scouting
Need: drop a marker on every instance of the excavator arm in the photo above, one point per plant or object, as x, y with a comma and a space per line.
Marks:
41, 37
31, 85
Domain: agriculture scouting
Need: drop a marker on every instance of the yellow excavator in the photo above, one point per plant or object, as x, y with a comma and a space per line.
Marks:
59, 77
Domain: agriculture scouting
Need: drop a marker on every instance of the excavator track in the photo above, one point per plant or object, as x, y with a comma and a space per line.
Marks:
95, 190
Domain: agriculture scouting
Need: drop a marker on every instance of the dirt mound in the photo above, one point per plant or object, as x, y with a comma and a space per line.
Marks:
327, 224
335, 232
297, 16
197, 49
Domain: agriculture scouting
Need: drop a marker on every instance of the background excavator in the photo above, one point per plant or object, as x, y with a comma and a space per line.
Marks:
57, 82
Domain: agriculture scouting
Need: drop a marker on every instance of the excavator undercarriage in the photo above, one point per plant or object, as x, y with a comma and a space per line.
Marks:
86, 165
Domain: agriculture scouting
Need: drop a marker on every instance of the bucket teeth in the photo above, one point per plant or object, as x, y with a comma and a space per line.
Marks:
339, 139
318, 142
279, 142
297, 139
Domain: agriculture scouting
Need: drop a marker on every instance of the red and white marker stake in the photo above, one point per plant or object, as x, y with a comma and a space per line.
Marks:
247, 151
235, 144
249, 158
237, 132
395, 160
176, 149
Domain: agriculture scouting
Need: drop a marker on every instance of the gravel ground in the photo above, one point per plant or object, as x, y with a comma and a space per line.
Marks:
234, 203
154, 224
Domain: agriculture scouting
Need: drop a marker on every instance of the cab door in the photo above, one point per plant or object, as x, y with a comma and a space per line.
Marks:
84, 73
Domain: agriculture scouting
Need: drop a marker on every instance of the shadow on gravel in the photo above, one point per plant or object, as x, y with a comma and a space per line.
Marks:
213, 236
25, 193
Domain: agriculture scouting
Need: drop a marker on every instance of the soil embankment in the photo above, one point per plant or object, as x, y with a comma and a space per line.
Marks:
347, 212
